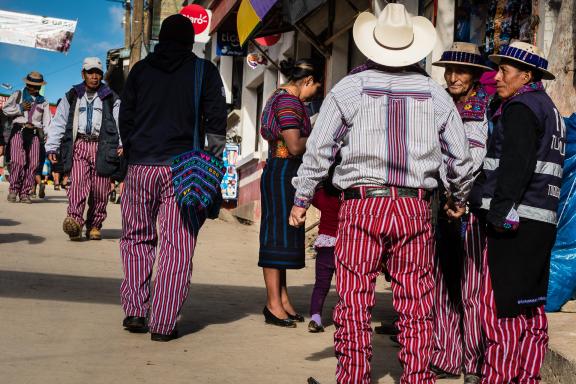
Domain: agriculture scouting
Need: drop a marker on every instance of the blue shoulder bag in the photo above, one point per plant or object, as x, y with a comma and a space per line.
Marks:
197, 174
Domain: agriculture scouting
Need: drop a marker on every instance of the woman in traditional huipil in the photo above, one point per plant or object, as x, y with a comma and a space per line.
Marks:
286, 126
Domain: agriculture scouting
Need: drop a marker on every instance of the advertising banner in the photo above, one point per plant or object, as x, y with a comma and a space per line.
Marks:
200, 18
227, 44
229, 184
36, 31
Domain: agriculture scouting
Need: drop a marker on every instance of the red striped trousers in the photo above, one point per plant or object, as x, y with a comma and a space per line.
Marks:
23, 166
87, 187
148, 197
400, 230
516, 346
458, 339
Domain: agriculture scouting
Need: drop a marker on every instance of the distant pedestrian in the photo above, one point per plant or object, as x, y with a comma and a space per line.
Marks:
286, 126
31, 116
396, 128
458, 339
157, 123
84, 139
518, 192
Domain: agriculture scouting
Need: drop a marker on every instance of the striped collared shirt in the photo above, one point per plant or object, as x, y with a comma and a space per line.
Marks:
392, 129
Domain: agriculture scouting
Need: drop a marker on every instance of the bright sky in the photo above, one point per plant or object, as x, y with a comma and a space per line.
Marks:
99, 29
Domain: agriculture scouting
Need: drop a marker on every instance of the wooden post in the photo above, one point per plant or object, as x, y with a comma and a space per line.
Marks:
147, 23
127, 21
562, 60
137, 32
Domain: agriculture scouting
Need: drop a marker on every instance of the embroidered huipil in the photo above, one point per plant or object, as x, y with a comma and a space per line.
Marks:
394, 129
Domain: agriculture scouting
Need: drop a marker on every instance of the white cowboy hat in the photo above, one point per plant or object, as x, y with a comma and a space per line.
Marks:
461, 53
525, 53
395, 38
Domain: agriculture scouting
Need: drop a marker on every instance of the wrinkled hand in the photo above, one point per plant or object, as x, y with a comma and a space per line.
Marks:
453, 211
297, 216
26, 106
120, 151
53, 158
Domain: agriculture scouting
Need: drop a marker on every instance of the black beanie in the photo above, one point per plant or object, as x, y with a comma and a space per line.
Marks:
177, 28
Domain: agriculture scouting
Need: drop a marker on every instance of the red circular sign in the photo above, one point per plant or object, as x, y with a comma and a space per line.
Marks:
268, 41
198, 16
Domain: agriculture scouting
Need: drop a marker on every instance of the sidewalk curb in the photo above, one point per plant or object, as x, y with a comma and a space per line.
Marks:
558, 369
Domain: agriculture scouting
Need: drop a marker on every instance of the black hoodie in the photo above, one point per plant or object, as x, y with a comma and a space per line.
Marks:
157, 111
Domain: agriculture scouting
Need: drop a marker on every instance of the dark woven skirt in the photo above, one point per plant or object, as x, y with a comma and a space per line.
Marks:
281, 246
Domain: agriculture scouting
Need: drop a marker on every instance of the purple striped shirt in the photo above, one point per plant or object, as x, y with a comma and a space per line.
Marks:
393, 129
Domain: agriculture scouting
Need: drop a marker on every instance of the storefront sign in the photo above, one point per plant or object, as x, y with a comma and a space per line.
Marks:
227, 44
39, 32
255, 57
229, 183
200, 18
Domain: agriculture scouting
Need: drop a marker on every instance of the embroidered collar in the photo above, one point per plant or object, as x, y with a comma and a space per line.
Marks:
103, 90
474, 108
532, 87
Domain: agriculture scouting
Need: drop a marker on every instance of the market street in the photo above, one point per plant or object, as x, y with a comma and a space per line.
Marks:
61, 317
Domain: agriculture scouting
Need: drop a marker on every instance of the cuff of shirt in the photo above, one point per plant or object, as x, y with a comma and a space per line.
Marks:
301, 202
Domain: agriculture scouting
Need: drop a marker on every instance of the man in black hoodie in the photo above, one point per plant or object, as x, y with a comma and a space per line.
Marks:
157, 118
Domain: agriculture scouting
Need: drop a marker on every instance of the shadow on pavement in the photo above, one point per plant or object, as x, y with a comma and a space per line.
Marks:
113, 233
8, 223
16, 237
207, 304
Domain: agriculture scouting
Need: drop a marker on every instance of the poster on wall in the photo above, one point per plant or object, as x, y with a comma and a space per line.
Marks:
229, 184
39, 32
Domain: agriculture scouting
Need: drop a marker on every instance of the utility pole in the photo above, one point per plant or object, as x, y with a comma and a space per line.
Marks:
137, 32
127, 21
147, 23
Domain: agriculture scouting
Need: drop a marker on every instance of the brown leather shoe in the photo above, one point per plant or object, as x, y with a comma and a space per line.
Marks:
72, 228
94, 234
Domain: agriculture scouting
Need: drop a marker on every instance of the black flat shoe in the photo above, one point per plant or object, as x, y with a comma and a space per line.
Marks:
312, 380
386, 329
164, 338
442, 374
296, 317
135, 324
269, 318
314, 327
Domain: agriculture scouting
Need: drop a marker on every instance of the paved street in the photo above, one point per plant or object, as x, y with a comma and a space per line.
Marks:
61, 318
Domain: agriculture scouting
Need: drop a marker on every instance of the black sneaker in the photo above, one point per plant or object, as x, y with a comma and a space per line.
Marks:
164, 338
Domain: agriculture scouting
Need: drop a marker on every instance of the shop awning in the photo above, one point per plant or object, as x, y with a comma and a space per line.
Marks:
250, 16
294, 11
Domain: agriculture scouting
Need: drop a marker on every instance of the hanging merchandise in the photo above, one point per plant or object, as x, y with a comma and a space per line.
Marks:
504, 23
229, 183
562, 283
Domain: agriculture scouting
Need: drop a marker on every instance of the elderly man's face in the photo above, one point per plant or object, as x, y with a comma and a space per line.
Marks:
34, 90
459, 79
92, 78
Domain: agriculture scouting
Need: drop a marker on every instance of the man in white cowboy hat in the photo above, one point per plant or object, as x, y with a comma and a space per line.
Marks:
395, 128
458, 341
31, 116
84, 138
517, 193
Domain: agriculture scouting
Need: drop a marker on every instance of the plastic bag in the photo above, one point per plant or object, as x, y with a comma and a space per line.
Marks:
562, 282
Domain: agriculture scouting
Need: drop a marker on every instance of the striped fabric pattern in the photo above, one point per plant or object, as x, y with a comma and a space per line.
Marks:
283, 111
23, 165
87, 187
516, 346
400, 229
458, 339
394, 129
148, 198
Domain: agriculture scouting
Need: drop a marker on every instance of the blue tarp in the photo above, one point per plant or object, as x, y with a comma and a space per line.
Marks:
562, 283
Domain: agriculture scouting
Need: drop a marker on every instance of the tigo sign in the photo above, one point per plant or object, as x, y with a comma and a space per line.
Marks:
200, 19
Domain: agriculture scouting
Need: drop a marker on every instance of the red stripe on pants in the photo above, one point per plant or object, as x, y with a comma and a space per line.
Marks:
515, 346
87, 186
22, 171
149, 196
458, 330
400, 229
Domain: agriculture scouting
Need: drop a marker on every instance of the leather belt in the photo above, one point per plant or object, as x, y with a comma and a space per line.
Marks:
89, 138
356, 193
